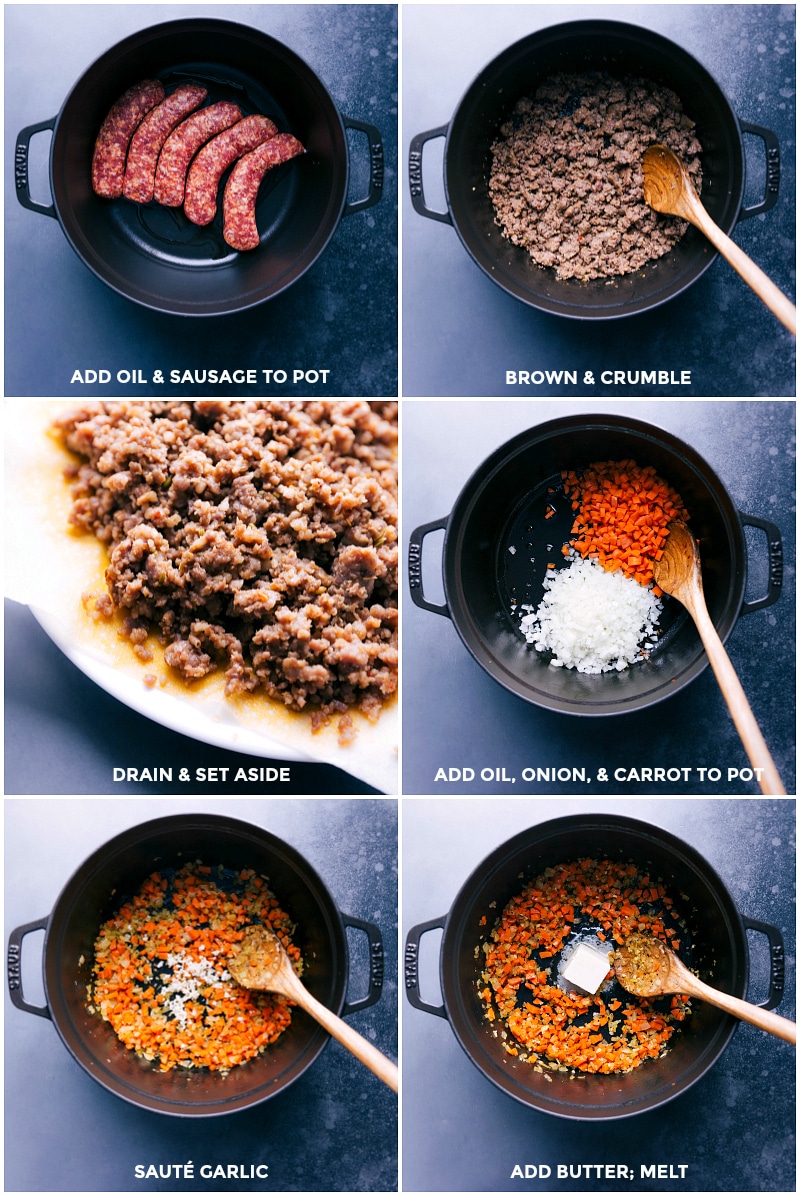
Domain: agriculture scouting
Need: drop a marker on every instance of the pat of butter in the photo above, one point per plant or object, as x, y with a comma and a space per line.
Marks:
586, 968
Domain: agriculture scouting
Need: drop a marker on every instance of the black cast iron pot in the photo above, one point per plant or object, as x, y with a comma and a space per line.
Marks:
498, 523
618, 49
117, 870
154, 255
719, 953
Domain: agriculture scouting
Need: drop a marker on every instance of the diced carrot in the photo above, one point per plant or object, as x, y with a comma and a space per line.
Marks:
552, 1025
229, 1025
622, 515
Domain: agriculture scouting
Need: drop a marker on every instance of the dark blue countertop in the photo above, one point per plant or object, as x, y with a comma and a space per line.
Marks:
455, 715
334, 1129
340, 316
733, 1131
461, 333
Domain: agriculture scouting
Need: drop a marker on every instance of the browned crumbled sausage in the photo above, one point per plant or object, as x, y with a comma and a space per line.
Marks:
205, 172
182, 145
255, 536
111, 146
146, 143
566, 175
239, 201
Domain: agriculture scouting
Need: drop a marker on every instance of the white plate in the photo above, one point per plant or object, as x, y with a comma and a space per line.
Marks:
50, 570
174, 713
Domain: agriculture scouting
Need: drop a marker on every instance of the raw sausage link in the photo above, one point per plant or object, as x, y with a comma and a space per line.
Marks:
239, 203
208, 167
146, 143
182, 145
111, 146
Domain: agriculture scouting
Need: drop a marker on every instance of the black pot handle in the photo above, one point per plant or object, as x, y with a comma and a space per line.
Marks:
775, 563
21, 168
773, 155
14, 968
376, 165
415, 566
777, 961
375, 965
415, 175
411, 966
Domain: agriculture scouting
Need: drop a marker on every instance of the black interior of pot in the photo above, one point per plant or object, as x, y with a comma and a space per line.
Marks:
477, 543
619, 50
719, 955
154, 255
115, 872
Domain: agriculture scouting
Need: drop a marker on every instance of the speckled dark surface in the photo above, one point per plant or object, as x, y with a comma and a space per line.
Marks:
335, 1129
734, 1130
341, 316
456, 715
461, 332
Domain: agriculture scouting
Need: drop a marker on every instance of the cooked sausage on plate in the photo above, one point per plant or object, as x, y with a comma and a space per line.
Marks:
146, 143
183, 143
200, 202
239, 201
111, 146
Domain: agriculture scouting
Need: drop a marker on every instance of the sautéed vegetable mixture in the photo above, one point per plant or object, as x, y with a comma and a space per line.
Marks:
555, 1029
160, 976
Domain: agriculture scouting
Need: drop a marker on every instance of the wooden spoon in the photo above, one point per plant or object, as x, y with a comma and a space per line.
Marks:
678, 574
262, 963
668, 188
646, 968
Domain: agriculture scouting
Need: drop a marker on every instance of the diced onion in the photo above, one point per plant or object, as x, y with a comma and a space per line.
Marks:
592, 620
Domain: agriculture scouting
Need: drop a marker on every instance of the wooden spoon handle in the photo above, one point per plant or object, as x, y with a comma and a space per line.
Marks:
765, 1019
744, 720
369, 1055
752, 274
